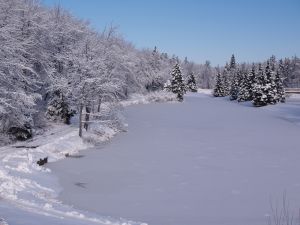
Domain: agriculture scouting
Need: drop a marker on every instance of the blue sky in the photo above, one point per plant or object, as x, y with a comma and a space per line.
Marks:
200, 29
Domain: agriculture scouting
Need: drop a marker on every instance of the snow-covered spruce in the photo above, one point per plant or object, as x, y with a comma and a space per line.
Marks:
271, 88
59, 109
191, 83
247, 86
226, 80
232, 71
262, 87
232, 64
235, 85
259, 94
265, 90
177, 85
219, 87
279, 82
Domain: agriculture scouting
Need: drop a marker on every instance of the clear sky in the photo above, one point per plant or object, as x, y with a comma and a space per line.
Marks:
200, 29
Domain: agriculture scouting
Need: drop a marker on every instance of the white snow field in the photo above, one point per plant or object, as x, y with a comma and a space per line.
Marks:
206, 161
28, 192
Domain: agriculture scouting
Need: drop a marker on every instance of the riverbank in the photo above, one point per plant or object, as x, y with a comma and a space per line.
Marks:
205, 161
28, 192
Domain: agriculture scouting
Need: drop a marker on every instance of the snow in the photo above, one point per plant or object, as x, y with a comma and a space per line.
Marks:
205, 91
3, 222
205, 161
28, 192
152, 97
29, 189
289, 112
294, 96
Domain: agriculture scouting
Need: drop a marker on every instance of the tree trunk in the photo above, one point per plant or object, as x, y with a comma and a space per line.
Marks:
99, 105
80, 120
87, 117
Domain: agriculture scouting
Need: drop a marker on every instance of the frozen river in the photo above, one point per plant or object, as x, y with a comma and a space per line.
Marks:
206, 161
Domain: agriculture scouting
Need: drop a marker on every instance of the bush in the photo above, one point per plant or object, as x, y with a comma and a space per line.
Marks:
20, 133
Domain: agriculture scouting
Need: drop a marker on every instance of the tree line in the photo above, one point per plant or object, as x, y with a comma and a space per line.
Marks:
261, 83
178, 86
53, 65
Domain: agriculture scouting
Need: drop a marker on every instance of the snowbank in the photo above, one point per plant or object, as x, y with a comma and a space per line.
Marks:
205, 91
23, 183
158, 96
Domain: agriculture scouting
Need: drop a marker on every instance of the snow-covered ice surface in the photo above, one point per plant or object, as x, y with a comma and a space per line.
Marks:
28, 192
205, 161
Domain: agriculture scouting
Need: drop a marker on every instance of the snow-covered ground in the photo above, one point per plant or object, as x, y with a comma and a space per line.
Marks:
28, 192
205, 161
152, 97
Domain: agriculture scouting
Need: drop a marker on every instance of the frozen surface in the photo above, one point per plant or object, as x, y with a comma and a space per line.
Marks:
28, 192
205, 161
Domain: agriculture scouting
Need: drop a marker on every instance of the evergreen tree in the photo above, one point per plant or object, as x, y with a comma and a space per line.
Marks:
232, 63
279, 82
252, 78
270, 88
177, 84
273, 63
219, 89
232, 71
191, 83
226, 80
59, 109
235, 85
259, 96
247, 85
